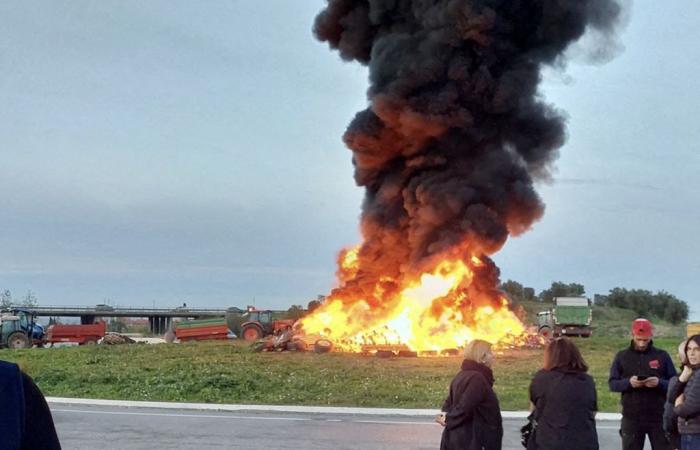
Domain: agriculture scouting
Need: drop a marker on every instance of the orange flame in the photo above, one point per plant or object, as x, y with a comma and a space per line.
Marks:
437, 309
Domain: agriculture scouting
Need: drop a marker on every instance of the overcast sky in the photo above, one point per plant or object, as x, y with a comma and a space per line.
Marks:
154, 153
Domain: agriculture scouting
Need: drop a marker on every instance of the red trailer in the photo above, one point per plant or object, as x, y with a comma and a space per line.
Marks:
81, 334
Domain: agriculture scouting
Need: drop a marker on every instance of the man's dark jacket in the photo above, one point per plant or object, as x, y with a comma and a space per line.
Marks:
25, 418
473, 415
641, 404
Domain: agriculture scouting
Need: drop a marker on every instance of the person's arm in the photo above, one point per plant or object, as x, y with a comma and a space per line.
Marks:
688, 403
616, 382
474, 393
39, 429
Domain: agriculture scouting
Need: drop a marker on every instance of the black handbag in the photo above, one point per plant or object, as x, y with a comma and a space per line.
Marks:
527, 431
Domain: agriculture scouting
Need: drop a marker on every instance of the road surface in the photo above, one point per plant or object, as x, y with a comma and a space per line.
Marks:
87, 427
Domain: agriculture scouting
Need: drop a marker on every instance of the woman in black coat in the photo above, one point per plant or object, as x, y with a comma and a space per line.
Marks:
564, 401
471, 415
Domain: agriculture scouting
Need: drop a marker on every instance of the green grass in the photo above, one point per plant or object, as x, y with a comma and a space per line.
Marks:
224, 372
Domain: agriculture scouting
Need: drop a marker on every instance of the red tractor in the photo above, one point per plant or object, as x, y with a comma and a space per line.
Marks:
259, 324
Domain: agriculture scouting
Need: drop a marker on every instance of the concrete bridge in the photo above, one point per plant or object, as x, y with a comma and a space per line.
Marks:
159, 319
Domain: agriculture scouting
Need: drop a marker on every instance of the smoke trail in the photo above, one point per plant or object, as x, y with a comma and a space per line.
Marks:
455, 132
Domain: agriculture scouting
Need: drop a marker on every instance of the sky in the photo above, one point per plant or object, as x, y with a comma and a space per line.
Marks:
161, 152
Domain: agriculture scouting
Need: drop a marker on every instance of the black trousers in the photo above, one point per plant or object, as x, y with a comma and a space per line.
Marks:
634, 431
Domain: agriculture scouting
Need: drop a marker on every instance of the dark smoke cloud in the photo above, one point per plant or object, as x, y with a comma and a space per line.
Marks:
455, 132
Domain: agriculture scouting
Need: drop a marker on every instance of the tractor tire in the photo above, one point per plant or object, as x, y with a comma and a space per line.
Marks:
251, 333
384, 354
18, 340
323, 346
545, 332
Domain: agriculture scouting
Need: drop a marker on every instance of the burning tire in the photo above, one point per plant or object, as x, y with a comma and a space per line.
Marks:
18, 340
251, 333
323, 346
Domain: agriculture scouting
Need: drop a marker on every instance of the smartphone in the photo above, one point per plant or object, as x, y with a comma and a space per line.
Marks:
642, 377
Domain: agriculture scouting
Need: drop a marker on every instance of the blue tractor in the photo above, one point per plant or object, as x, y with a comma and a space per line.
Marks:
18, 329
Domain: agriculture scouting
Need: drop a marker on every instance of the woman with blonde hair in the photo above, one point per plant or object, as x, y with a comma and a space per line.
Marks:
471, 415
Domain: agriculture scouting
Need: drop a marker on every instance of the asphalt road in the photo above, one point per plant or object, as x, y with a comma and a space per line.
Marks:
114, 428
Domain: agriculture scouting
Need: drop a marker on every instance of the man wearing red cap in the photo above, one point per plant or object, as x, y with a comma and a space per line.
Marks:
641, 373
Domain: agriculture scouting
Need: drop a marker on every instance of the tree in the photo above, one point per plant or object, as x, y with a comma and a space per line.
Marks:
313, 304
661, 305
295, 312
29, 300
559, 289
517, 292
6, 299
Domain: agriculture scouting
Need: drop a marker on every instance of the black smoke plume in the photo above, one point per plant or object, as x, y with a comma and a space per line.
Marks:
456, 131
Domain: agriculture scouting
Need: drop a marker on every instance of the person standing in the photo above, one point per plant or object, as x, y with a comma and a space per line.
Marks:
687, 404
564, 401
641, 374
471, 414
675, 388
25, 418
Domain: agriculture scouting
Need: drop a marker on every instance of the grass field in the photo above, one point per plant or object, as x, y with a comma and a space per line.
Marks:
226, 372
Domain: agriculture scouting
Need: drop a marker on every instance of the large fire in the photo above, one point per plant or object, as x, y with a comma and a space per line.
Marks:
440, 308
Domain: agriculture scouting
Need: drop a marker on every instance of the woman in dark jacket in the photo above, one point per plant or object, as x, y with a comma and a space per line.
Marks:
687, 404
471, 415
564, 401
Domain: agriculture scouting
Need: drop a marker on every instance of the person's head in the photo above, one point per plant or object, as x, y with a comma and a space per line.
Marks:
479, 351
561, 353
692, 350
681, 352
642, 332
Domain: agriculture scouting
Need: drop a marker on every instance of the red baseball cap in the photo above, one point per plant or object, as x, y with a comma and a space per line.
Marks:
642, 328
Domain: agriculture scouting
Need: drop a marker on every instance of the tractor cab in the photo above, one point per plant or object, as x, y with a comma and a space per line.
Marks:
260, 323
18, 329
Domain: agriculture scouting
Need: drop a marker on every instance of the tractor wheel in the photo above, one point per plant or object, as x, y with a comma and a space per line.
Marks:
251, 333
18, 340
545, 332
323, 346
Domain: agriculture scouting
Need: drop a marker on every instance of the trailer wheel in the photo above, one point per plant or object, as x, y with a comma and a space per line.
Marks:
18, 340
545, 331
251, 333
90, 341
384, 354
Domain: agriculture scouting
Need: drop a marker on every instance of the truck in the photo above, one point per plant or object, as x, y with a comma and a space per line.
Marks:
18, 329
570, 316
202, 330
80, 334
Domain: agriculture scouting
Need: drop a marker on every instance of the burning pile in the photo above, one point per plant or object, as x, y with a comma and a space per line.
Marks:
448, 149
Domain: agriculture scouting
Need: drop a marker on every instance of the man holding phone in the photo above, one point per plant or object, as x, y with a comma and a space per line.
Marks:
641, 373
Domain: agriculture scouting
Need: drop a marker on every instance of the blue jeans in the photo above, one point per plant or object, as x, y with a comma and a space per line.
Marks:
690, 441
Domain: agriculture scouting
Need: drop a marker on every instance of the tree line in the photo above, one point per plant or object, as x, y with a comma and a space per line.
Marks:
660, 305
28, 300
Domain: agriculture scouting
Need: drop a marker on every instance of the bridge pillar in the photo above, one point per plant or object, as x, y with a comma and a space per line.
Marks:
87, 320
158, 324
